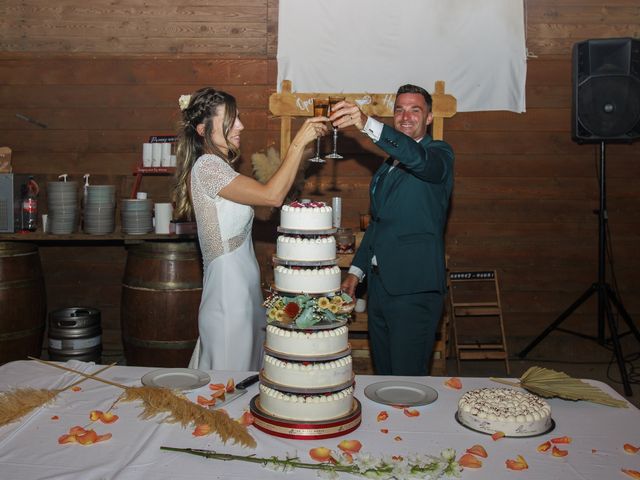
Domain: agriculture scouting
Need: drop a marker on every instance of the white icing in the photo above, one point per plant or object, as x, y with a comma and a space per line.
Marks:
317, 343
306, 218
504, 410
311, 375
307, 280
306, 407
306, 249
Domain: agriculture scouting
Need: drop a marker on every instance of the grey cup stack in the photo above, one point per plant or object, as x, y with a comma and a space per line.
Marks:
99, 209
137, 217
62, 198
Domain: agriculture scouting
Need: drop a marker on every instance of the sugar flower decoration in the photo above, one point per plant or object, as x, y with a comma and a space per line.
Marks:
183, 101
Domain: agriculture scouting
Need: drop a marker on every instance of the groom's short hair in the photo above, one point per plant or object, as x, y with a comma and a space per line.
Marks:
408, 88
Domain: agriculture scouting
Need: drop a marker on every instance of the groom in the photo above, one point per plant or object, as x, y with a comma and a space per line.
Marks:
402, 252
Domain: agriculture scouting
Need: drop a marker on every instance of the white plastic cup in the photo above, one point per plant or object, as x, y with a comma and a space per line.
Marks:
141, 195
361, 305
173, 161
147, 154
163, 215
165, 160
45, 223
156, 154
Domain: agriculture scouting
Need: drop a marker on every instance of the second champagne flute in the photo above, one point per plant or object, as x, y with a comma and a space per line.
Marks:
332, 104
320, 109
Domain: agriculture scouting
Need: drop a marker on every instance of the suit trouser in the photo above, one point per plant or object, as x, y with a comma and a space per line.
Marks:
402, 328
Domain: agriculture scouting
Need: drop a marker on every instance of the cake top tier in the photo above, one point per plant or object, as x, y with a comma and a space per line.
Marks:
298, 204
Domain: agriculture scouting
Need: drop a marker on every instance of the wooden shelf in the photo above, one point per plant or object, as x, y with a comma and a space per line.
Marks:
117, 236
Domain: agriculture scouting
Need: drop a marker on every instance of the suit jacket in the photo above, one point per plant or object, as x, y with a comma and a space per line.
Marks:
408, 214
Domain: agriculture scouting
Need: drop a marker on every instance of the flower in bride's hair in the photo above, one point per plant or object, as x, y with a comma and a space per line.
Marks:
183, 101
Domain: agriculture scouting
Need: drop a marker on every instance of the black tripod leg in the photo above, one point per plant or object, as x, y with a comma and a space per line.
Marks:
583, 298
617, 349
621, 310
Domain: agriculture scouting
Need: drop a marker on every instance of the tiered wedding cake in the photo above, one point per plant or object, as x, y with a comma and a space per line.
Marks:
306, 386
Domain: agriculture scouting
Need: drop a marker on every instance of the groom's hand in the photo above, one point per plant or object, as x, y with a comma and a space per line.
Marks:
349, 285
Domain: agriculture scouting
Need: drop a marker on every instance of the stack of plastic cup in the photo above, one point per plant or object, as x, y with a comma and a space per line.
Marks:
137, 217
63, 207
99, 209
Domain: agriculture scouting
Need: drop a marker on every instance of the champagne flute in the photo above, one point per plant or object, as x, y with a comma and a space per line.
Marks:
320, 109
332, 105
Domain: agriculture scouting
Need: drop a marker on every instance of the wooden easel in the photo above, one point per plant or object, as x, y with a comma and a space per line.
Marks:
287, 104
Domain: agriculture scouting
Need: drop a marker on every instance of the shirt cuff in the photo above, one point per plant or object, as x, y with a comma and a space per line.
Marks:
357, 272
373, 129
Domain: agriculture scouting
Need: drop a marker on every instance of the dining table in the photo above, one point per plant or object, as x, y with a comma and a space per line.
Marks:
596, 441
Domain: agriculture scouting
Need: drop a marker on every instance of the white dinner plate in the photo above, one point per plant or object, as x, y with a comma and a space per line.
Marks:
176, 378
398, 392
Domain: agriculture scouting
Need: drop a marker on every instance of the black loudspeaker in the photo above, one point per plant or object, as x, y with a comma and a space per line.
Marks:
606, 90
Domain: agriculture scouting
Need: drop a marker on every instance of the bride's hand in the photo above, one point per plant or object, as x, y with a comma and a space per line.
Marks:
311, 129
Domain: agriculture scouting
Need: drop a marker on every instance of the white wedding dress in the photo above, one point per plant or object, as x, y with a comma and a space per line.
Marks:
231, 319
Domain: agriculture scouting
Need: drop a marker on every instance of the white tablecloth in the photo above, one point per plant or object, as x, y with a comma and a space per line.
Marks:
29, 448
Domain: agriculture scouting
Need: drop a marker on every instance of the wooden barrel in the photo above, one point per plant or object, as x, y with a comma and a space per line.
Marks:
161, 293
23, 304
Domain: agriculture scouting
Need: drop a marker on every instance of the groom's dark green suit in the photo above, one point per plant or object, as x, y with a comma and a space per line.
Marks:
409, 204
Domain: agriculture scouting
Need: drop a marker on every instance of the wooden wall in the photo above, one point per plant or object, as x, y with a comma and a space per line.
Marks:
104, 76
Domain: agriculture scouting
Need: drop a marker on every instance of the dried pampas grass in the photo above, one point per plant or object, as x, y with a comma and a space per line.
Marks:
180, 410
16, 404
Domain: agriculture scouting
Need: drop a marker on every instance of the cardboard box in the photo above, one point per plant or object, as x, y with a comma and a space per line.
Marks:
5, 160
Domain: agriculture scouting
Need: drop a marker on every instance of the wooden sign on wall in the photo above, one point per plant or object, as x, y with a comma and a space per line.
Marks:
287, 104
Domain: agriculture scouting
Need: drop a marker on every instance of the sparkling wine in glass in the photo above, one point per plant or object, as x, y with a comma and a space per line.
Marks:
320, 109
332, 104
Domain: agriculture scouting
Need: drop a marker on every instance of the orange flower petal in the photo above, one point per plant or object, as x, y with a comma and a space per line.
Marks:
478, 450
201, 430
518, 464
347, 458
497, 436
543, 447
216, 386
76, 389
321, 454
218, 394
384, 430
87, 438
108, 417
469, 461
67, 439
231, 385
103, 438
632, 473
350, 446
95, 415
411, 412
630, 449
246, 419
593, 450
397, 458
454, 383
557, 452
205, 402
397, 438
382, 416
55, 417
77, 430
558, 440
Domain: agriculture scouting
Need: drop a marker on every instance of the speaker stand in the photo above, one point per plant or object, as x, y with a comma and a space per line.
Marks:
607, 297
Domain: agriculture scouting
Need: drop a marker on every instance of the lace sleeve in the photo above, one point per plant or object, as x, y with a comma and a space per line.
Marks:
212, 174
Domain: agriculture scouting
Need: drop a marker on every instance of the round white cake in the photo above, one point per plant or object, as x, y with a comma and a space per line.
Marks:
512, 412
306, 216
307, 249
307, 344
306, 407
308, 375
307, 280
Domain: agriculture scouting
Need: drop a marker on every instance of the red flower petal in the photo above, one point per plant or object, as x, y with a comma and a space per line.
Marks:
558, 440
350, 446
469, 461
454, 383
497, 436
630, 449
55, 417
411, 412
382, 416
478, 450
543, 447
292, 309
384, 430
557, 452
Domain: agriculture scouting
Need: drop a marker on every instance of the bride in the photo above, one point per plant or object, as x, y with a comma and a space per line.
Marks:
231, 317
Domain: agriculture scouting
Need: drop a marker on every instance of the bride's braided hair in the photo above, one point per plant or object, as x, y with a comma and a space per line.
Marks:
203, 106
